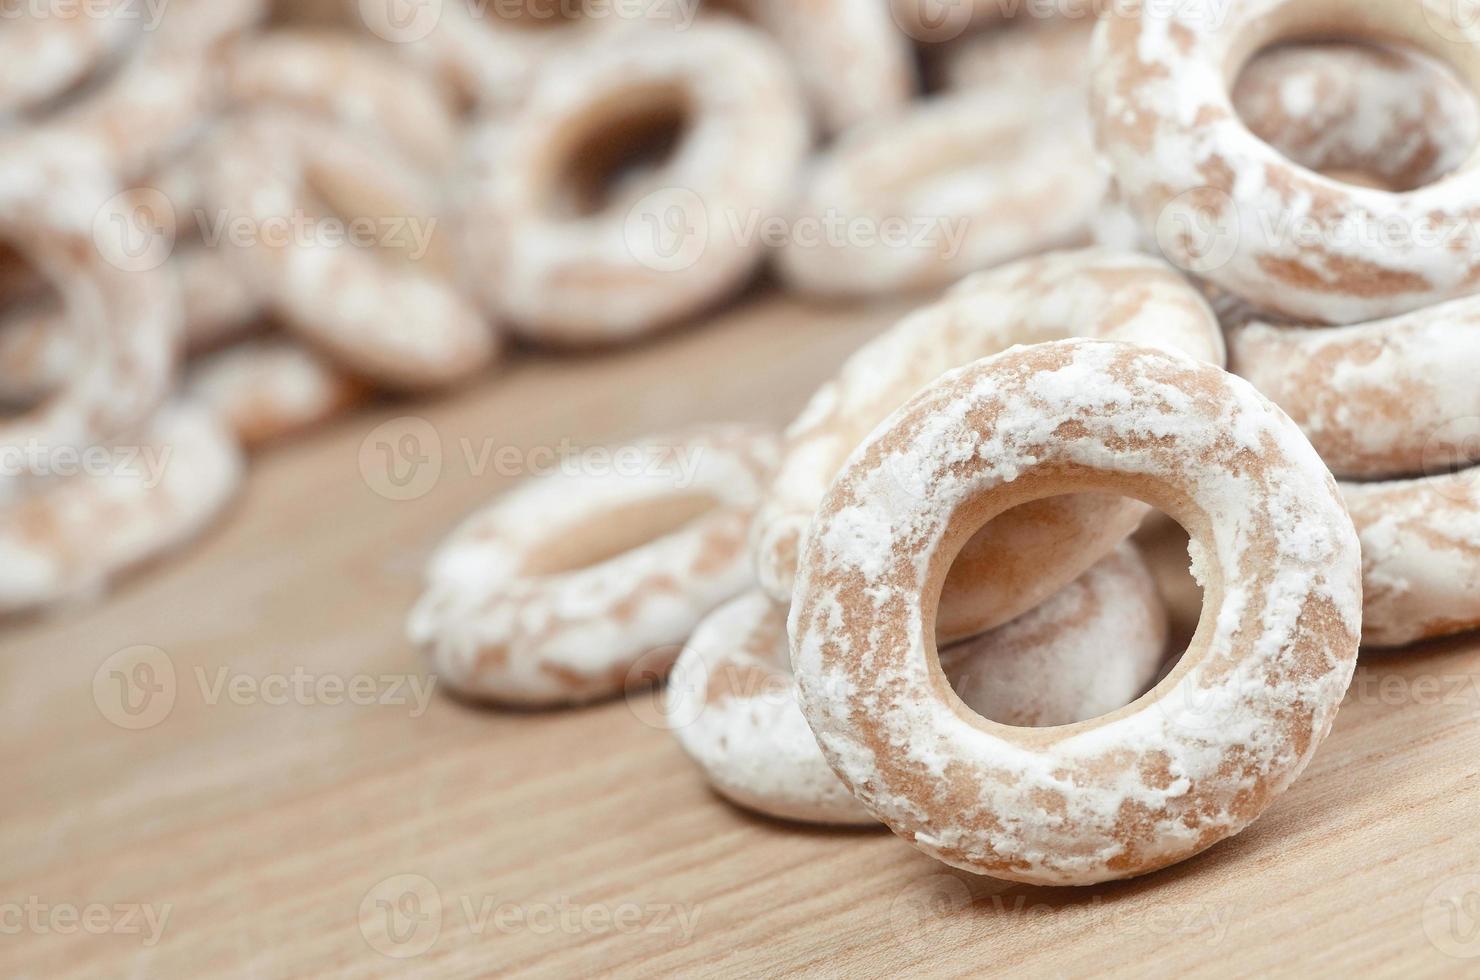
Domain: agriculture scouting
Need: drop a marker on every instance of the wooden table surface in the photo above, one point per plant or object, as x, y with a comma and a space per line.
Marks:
231, 765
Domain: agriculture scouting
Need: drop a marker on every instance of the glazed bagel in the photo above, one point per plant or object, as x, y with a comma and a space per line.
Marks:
1184, 161
572, 254
267, 389
1359, 113
342, 78
1420, 556
958, 183
1089, 649
1019, 54
74, 537
1372, 397
489, 55
558, 590
126, 324
385, 303
1027, 556
143, 105
43, 55
853, 62
1193, 762
1392, 401
1381, 112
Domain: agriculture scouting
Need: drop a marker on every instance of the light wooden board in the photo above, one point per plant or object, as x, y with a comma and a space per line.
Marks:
270, 826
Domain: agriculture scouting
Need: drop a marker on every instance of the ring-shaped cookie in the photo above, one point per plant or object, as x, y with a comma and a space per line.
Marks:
555, 592
1230, 207
1380, 112
1373, 397
1091, 648
270, 388
382, 292
853, 62
957, 183
1420, 556
1198, 758
575, 248
43, 54
135, 113
126, 322
1025, 557
71, 539
346, 79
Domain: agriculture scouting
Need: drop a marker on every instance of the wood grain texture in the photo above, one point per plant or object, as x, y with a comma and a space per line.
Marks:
569, 844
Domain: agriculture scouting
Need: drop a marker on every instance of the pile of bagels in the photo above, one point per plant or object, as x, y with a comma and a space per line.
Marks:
923, 604
1192, 257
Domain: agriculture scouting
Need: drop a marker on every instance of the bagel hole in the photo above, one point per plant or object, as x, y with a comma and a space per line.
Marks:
1346, 144
614, 146
616, 531
1141, 596
36, 346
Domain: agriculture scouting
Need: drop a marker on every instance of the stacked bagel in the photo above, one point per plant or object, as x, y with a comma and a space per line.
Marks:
921, 605
1346, 268
943, 624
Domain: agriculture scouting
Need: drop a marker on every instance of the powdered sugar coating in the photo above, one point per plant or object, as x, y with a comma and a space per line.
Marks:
1039, 550
267, 389
350, 81
983, 175
1208, 750
125, 323
853, 62
405, 322
1295, 242
1420, 556
74, 535
525, 604
1089, 649
667, 240
1372, 397
1385, 112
